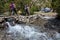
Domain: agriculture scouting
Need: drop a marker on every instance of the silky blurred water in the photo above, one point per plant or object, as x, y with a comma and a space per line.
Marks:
26, 32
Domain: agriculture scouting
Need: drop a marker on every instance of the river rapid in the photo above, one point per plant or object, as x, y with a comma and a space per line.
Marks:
28, 32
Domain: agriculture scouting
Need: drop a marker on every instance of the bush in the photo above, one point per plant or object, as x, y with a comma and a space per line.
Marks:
56, 6
6, 6
33, 9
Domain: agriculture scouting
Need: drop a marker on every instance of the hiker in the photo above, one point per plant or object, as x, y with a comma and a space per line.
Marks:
13, 8
27, 10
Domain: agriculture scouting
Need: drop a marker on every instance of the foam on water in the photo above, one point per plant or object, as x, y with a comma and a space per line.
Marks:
46, 17
20, 32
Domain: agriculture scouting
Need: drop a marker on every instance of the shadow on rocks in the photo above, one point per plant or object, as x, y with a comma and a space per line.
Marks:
53, 24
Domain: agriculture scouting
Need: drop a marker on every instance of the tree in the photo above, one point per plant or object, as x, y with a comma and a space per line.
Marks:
56, 6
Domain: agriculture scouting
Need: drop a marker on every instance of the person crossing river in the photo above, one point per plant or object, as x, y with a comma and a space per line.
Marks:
13, 8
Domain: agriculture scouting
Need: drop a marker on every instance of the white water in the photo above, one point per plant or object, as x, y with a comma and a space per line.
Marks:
20, 32
46, 17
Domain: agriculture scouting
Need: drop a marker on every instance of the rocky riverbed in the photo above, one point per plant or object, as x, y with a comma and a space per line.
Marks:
34, 27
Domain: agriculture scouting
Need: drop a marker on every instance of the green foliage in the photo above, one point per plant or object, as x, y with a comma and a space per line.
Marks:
33, 9
56, 6
4, 5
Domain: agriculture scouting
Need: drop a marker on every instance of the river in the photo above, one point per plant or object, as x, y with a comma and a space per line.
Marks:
27, 32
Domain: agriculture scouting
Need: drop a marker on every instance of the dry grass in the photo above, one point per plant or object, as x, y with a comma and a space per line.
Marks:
47, 14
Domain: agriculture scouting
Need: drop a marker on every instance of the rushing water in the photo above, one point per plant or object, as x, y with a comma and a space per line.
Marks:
25, 32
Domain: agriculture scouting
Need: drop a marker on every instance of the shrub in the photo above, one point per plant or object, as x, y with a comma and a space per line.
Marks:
56, 6
33, 9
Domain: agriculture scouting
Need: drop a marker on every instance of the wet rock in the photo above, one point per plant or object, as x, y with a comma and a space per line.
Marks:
2, 26
53, 24
49, 25
19, 22
1, 19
